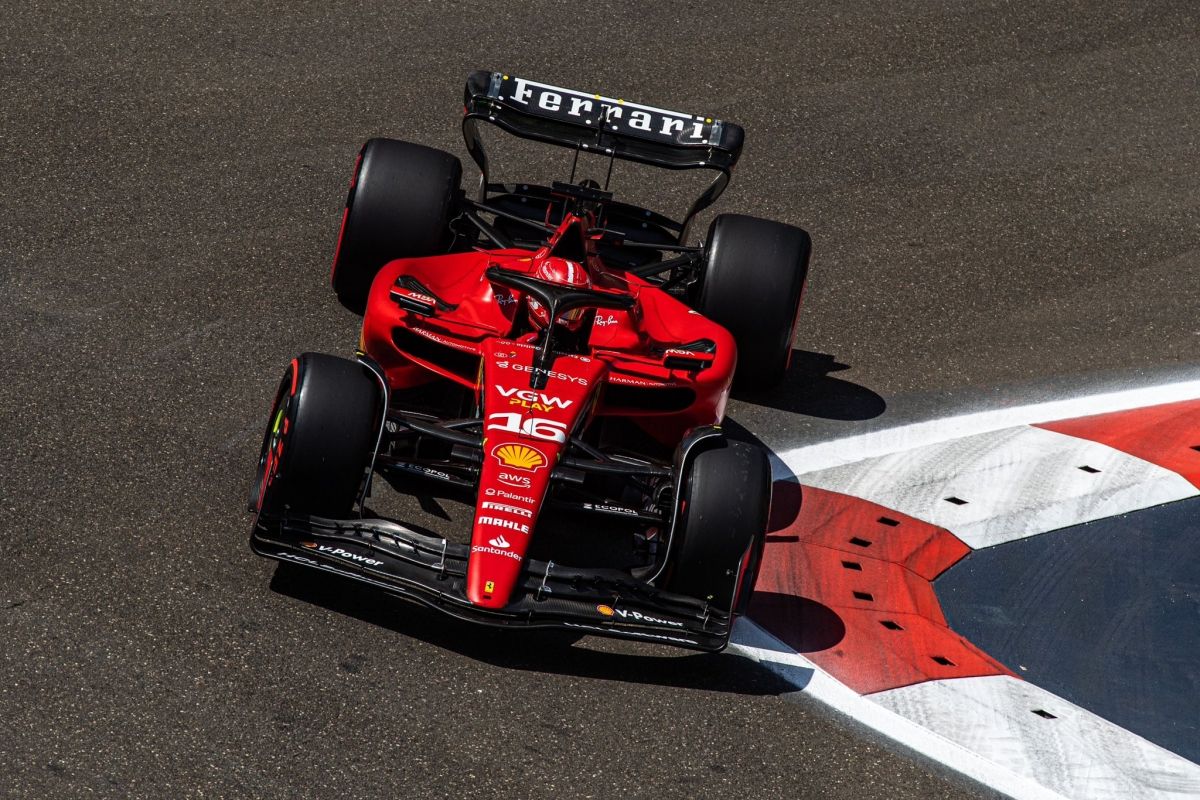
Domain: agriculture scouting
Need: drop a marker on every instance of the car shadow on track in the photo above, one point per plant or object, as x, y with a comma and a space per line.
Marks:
558, 652
807, 388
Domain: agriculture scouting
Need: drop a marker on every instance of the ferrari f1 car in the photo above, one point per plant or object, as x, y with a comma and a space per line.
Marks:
558, 358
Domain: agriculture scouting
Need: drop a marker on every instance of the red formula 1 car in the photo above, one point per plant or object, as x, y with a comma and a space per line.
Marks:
558, 359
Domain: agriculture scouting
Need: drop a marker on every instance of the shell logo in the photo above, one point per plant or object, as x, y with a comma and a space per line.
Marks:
520, 456
606, 611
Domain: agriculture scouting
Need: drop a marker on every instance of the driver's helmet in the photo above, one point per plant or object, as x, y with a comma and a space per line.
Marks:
567, 274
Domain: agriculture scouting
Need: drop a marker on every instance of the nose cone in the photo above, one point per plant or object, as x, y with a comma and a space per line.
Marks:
525, 432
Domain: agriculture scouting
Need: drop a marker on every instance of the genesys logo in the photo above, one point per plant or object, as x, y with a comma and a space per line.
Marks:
558, 376
496, 551
340, 553
520, 456
501, 522
516, 511
500, 542
513, 479
516, 498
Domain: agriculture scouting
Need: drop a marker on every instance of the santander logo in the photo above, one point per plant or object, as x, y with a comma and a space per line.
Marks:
500, 542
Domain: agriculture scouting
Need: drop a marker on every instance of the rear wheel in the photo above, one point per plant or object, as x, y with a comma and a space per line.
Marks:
400, 203
320, 437
752, 283
719, 538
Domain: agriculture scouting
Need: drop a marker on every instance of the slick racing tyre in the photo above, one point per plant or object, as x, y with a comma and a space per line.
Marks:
751, 284
319, 439
400, 203
718, 540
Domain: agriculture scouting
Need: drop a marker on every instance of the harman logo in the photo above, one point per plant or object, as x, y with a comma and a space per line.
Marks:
520, 456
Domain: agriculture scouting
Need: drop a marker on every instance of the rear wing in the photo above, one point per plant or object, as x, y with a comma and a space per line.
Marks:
606, 126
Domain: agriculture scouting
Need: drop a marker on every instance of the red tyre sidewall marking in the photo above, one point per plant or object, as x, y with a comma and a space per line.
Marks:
337, 250
275, 451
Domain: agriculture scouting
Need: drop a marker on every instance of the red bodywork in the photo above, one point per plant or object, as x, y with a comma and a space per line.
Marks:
476, 336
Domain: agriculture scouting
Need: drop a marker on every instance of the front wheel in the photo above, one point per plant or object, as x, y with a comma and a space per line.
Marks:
320, 438
719, 537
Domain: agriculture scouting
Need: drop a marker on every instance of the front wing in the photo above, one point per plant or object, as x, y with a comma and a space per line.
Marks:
432, 571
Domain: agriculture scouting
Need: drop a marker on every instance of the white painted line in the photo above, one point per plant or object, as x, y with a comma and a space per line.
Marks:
1076, 753
755, 643
1004, 485
823, 455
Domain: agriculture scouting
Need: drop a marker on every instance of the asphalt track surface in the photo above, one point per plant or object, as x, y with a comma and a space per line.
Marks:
1000, 195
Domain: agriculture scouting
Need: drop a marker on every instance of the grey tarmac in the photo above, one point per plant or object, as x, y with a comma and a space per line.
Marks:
1000, 195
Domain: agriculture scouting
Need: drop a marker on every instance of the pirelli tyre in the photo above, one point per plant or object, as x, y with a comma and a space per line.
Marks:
718, 541
752, 283
400, 203
320, 438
